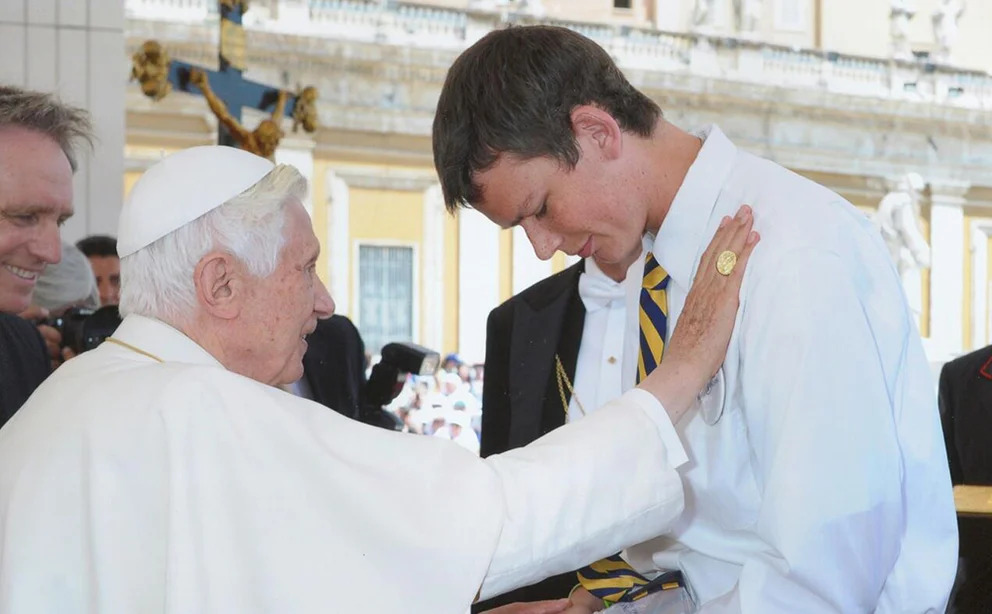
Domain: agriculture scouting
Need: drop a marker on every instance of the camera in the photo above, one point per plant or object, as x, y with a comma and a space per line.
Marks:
387, 378
83, 329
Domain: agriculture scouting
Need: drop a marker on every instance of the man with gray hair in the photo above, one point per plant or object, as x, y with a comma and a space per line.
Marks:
166, 471
38, 140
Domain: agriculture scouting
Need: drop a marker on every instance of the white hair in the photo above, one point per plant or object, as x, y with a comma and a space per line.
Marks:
157, 280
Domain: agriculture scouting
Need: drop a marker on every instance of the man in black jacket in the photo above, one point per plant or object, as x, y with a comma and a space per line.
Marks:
38, 139
966, 418
521, 400
334, 365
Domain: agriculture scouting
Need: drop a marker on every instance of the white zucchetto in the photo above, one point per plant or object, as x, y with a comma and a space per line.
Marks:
182, 187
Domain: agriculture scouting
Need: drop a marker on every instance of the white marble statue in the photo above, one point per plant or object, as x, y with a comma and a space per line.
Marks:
747, 14
901, 13
703, 14
532, 7
898, 220
945, 28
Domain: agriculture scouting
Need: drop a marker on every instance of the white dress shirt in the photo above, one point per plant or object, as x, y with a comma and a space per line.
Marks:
156, 481
599, 364
817, 478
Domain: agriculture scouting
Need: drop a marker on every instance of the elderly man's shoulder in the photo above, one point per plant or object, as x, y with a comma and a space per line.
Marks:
107, 377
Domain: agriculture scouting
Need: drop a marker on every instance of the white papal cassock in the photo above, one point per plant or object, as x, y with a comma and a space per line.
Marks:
132, 485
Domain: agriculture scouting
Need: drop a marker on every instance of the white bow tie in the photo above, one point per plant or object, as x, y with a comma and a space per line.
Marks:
599, 291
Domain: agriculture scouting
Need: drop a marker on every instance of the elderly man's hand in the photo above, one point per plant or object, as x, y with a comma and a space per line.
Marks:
536, 607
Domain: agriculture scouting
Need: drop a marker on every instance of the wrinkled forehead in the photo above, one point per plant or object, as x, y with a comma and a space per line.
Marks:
298, 230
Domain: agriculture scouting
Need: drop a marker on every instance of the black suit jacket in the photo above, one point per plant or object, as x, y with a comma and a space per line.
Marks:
521, 400
334, 365
24, 363
966, 417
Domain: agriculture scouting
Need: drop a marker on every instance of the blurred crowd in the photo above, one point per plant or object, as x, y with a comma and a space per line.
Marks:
447, 404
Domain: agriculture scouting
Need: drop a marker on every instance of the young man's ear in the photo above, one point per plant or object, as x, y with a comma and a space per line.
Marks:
595, 128
219, 283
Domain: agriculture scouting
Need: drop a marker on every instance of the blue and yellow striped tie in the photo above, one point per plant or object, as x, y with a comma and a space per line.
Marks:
611, 579
653, 317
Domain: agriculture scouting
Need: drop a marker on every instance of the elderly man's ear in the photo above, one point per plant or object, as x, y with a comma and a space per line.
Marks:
220, 285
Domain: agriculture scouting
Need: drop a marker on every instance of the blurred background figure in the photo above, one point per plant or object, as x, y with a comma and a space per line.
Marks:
61, 287
70, 283
334, 366
102, 253
460, 429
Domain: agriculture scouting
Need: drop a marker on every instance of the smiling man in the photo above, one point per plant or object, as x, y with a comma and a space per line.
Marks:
38, 141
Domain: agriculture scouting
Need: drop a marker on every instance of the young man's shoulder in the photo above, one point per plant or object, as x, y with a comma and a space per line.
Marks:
541, 293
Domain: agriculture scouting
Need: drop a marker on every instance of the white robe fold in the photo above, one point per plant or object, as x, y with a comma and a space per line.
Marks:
131, 485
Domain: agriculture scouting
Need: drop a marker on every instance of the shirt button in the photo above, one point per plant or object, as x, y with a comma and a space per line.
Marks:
611, 360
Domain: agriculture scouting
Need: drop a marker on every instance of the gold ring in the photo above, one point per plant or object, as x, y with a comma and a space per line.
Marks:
726, 262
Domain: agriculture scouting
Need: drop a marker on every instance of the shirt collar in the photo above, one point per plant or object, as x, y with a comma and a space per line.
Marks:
596, 289
682, 236
162, 341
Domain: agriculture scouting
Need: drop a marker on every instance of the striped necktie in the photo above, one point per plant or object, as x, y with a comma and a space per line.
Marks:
653, 316
612, 579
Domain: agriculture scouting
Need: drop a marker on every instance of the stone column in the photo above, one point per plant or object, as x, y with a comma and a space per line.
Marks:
946, 270
433, 276
74, 49
338, 241
297, 150
528, 269
980, 232
478, 281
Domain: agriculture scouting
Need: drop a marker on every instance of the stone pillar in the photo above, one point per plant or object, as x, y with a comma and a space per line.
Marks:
297, 150
980, 232
74, 49
433, 276
946, 270
338, 241
478, 281
528, 269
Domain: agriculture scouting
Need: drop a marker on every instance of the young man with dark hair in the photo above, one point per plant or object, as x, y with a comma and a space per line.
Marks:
817, 479
102, 253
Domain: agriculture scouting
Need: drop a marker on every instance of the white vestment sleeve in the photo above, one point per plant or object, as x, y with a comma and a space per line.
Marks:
838, 440
609, 478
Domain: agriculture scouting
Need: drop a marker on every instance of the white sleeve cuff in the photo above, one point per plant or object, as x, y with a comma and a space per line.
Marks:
666, 430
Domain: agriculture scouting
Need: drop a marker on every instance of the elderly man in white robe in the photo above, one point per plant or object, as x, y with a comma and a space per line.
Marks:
166, 471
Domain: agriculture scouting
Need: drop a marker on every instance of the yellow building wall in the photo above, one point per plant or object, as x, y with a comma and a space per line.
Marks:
130, 178
318, 198
505, 264
387, 216
451, 247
